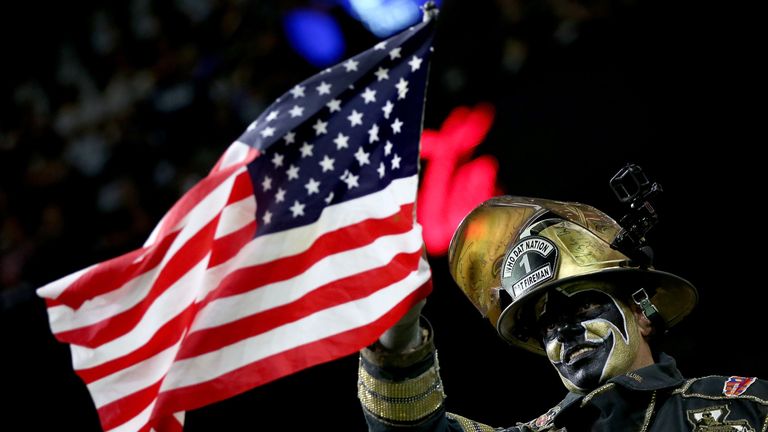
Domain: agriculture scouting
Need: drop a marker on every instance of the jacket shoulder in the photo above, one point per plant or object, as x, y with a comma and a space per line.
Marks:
726, 387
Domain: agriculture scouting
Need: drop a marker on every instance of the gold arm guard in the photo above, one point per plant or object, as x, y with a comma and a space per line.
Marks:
470, 425
402, 401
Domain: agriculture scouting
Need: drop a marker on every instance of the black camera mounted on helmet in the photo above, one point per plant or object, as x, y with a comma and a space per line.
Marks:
633, 188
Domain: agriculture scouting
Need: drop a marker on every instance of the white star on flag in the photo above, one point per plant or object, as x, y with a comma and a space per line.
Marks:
297, 91
414, 63
396, 126
306, 150
381, 169
402, 88
369, 95
351, 181
266, 184
268, 132
292, 172
313, 186
323, 89
341, 141
362, 157
356, 118
373, 133
327, 163
334, 105
297, 209
320, 127
280, 195
351, 65
296, 111
382, 74
396, 161
387, 108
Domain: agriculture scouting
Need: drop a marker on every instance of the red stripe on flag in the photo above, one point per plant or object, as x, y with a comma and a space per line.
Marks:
185, 258
124, 409
332, 294
285, 363
229, 245
166, 336
332, 242
252, 153
111, 275
201, 190
265, 370
167, 423
242, 188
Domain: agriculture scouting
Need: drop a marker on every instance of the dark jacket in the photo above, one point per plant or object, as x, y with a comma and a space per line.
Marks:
401, 393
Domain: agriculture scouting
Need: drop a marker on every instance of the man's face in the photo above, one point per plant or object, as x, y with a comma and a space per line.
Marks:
588, 335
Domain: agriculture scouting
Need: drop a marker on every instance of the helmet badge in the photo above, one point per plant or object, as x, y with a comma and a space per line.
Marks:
531, 262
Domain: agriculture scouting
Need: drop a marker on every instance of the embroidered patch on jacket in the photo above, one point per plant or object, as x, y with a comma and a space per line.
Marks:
545, 420
736, 385
713, 419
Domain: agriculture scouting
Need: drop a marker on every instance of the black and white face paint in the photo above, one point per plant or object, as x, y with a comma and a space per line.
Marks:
588, 335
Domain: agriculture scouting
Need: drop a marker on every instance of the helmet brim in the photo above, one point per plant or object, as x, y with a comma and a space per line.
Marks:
672, 295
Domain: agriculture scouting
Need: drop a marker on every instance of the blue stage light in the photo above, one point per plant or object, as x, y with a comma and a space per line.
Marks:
385, 17
315, 35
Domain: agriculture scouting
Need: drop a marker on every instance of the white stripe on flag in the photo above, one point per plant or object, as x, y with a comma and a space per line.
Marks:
133, 378
333, 267
64, 318
377, 205
136, 423
170, 303
205, 211
236, 216
54, 289
235, 153
317, 326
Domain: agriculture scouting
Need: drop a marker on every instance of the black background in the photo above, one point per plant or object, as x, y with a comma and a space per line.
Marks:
667, 85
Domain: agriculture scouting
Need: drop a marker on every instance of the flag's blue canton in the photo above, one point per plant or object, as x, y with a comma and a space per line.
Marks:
344, 133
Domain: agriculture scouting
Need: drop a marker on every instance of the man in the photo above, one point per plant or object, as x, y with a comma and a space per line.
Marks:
546, 275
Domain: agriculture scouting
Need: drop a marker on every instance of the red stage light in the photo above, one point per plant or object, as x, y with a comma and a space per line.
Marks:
453, 184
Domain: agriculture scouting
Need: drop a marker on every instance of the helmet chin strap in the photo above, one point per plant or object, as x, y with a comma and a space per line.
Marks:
640, 297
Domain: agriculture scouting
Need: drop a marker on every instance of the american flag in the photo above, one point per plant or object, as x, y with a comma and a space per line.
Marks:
300, 246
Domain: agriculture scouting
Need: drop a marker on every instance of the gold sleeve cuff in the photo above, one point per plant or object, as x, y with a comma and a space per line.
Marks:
401, 401
470, 425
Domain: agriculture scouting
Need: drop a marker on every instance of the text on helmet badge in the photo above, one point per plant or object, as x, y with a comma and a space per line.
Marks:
531, 262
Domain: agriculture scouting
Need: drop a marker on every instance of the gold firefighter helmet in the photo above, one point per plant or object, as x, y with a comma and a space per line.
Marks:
509, 250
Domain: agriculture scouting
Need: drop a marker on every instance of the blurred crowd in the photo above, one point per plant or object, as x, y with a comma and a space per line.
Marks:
140, 101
